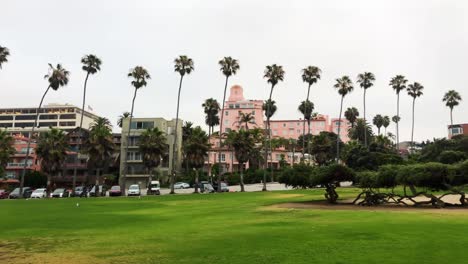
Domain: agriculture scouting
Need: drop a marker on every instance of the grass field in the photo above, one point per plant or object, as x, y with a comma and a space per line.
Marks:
226, 228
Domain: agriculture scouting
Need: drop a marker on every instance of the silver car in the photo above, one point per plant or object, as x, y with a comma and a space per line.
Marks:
39, 193
134, 190
181, 185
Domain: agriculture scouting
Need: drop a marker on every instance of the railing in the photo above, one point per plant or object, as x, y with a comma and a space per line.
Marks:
18, 165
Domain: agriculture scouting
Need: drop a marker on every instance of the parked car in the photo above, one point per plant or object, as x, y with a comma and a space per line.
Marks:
224, 187
134, 190
39, 193
102, 191
15, 193
205, 186
181, 185
154, 188
115, 191
3, 194
81, 191
60, 193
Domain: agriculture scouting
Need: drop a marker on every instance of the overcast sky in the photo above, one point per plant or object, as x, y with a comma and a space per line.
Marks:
427, 41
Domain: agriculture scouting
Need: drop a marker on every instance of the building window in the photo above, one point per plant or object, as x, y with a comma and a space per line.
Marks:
6, 117
47, 124
337, 123
68, 116
6, 124
23, 125
25, 117
455, 131
226, 113
71, 124
142, 125
278, 156
223, 157
253, 112
42, 117
298, 124
231, 106
284, 124
227, 130
226, 122
237, 106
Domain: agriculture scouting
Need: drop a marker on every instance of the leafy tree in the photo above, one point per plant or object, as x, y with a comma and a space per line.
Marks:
297, 176
121, 118
385, 123
228, 67
57, 77
330, 176
344, 85
451, 98
4, 54
360, 129
398, 83
243, 144
35, 179
197, 150
6, 149
365, 80
415, 90
451, 156
187, 130
52, 151
183, 65
351, 114
153, 147
323, 147
306, 108
274, 74
378, 121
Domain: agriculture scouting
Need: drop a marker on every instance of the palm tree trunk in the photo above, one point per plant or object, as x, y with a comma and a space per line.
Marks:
242, 176
49, 184
174, 149
196, 181
451, 117
269, 139
412, 124
378, 130
96, 188
125, 168
339, 130
398, 121
220, 134
303, 137
308, 139
365, 123
29, 142
209, 148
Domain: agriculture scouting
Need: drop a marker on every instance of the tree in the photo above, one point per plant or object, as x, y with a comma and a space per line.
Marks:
414, 90
359, 130
6, 149
246, 118
153, 147
243, 144
274, 74
228, 67
140, 77
99, 146
310, 75
398, 83
57, 77
211, 109
365, 80
451, 98
324, 148
52, 151
351, 114
385, 123
121, 118
4, 54
378, 121
183, 65
344, 85
330, 176
91, 65
187, 130
306, 108
196, 150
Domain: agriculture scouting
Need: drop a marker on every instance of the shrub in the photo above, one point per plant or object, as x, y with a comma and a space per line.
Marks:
299, 176
330, 176
451, 156
366, 179
387, 176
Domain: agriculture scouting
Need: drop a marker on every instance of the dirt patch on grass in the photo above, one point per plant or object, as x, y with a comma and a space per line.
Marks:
286, 195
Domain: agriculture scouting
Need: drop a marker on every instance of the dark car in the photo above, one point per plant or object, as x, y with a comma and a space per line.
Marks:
81, 191
115, 191
102, 191
205, 186
15, 193
60, 193
3, 194
224, 187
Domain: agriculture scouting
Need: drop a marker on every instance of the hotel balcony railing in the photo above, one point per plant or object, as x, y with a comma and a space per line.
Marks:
76, 165
18, 165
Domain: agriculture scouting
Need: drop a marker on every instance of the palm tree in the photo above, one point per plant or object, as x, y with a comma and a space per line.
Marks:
52, 151
451, 98
99, 146
378, 121
183, 65
274, 74
359, 130
351, 114
152, 146
57, 77
414, 90
246, 118
91, 65
306, 108
229, 67
243, 144
365, 80
385, 123
398, 83
211, 109
196, 150
6, 149
310, 75
121, 118
139, 76
4, 53
344, 86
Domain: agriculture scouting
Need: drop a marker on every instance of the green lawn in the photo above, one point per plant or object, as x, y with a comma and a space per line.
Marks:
225, 228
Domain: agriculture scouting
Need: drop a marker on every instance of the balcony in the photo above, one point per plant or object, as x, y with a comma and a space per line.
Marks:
16, 165
75, 166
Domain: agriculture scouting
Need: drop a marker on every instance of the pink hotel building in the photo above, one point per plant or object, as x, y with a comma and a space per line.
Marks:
290, 129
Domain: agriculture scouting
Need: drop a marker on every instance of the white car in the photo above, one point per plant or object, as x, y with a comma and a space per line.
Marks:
134, 190
39, 193
181, 185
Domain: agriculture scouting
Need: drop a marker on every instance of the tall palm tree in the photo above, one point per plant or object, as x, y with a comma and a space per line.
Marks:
351, 114
6, 149
91, 65
57, 77
243, 144
121, 118
99, 146
344, 85
414, 90
378, 121
274, 74
365, 80
359, 130
310, 75
52, 151
451, 98
386, 123
140, 77
228, 67
153, 147
246, 118
183, 65
196, 150
306, 108
211, 108
4, 53
398, 83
